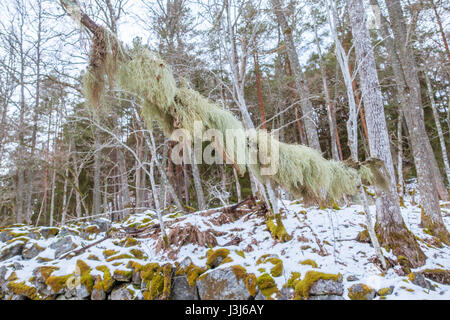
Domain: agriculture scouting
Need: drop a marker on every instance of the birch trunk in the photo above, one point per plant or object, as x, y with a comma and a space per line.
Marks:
299, 77
425, 162
390, 227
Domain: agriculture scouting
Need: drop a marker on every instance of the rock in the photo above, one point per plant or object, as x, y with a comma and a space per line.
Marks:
63, 246
49, 232
34, 235
102, 223
361, 291
326, 297
385, 291
327, 287
12, 250
5, 236
68, 232
61, 297
181, 290
17, 265
2, 275
419, 280
136, 277
82, 291
31, 250
97, 290
352, 277
438, 275
221, 284
121, 293
122, 275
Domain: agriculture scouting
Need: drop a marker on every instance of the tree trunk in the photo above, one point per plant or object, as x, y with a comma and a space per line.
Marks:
300, 80
330, 109
438, 127
391, 229
422, 151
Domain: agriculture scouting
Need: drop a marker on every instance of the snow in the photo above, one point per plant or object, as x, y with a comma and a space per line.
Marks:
334, 229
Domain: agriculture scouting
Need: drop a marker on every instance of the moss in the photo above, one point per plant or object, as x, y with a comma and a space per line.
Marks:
12, 276
404, 263
46, 271
23, 239
250, 284
109, 252
262, 270
277, 229
98, 284
384, 292
92, 229
354, 294
239, 272
138, 254
214, 255
93, 257
277, 270
20, 288
240, 253
411, 276
108, 281
267, 285
167, 272
119, 257
125, 274
438, 275
43, 259
309, 262
305, 247
295, 276
131, 242
57, 283
302, 287
86, 278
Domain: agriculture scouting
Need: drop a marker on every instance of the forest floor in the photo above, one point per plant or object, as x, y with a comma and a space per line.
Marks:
324, 238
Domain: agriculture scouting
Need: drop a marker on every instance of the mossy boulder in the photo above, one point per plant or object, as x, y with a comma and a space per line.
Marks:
318, 283
62, 246
216, 257
122, 275
419, 280
12, 250
97, 290
121, 293
361, 291
385, 291
222, 284
438, 275
181, 290
49, 232
31, 250
268, 289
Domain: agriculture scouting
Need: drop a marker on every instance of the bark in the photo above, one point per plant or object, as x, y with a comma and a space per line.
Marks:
391, 230
197, 183
330, 109
96, 192
427, 174
299, 77
343, 60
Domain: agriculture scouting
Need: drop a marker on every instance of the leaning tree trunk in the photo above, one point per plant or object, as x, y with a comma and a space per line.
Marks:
423, 154
391, 229
299, 77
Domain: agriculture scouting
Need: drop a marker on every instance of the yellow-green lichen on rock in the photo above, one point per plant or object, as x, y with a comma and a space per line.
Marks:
309, 262
267, 286
303, 287
216, 257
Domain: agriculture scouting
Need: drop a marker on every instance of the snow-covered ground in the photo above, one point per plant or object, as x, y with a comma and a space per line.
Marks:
311, 229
